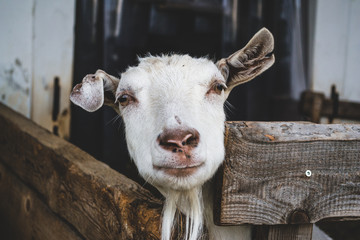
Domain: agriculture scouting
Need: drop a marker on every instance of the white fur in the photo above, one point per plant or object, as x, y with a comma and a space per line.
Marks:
164, 91
166, 87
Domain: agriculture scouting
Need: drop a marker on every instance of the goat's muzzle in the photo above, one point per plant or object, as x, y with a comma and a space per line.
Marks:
181, 143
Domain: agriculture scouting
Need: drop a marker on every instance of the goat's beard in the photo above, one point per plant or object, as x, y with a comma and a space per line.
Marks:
190, 203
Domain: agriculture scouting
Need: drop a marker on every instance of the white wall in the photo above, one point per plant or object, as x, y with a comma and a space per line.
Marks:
36, 45
336, 57
16, 29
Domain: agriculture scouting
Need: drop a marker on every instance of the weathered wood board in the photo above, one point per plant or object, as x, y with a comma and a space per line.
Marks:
59, 181
23, 215
264, 178
283, 232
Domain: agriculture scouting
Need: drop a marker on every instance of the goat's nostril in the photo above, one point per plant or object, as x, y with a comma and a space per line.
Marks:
177, 150
188, 139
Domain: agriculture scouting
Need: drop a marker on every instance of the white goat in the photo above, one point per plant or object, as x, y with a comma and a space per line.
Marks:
172, 107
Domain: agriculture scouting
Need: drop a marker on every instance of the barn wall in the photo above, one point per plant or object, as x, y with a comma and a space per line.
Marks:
36, 48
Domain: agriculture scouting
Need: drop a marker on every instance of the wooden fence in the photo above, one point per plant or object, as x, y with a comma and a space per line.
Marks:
281, 177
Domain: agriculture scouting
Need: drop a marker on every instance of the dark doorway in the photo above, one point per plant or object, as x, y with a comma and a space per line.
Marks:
111, 34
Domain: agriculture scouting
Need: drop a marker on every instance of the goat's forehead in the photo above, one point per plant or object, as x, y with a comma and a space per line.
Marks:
170, 71
173, 60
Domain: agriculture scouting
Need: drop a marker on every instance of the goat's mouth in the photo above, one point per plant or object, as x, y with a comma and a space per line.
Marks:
179, 170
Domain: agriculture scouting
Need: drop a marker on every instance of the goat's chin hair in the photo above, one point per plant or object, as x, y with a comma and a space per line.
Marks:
190, 203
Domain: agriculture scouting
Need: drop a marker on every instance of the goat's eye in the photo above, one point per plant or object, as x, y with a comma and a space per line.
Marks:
217, 88
125, 99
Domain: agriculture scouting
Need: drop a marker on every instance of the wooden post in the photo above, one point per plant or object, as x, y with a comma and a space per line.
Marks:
288, 173
283, 232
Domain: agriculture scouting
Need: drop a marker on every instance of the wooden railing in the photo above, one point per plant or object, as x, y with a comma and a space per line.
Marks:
280, 177
293, 173
51, 189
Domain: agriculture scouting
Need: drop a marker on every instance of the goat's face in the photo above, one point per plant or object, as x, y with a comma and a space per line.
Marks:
172, 107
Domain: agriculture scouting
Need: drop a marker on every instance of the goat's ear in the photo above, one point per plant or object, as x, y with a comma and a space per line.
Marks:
249, 62
95, 90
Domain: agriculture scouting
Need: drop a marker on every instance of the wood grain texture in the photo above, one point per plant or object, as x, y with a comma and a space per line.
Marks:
25, 216
263, 180
283, 232
90, 197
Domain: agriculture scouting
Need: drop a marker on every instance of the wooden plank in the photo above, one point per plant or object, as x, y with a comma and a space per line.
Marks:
25, 216
283, 232
294, 232
311, 105
264, 178
97, 201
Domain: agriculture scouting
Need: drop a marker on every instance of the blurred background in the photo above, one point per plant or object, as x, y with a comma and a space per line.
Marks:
47, 46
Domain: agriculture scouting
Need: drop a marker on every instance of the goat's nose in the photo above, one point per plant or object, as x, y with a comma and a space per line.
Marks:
178, 139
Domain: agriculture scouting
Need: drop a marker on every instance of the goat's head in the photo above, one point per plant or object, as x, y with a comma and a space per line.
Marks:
172, 107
